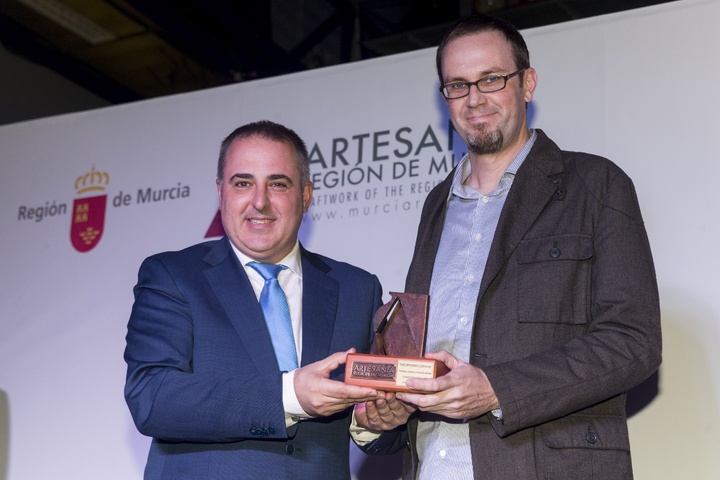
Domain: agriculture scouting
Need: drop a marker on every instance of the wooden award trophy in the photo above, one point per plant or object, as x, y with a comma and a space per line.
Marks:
398, 347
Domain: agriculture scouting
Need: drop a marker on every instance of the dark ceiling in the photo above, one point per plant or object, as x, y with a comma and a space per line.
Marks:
126, 50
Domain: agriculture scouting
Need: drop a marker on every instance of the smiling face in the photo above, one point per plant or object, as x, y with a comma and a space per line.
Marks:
262, 200
490, 123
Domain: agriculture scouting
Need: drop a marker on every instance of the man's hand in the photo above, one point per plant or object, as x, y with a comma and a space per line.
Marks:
384, 413
463, 392
319, 396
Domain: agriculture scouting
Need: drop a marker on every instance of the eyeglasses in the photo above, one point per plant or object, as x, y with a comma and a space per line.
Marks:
489, 84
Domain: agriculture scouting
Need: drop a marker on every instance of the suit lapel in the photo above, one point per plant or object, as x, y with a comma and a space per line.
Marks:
319, 308
535, 184
230, 283
430, 231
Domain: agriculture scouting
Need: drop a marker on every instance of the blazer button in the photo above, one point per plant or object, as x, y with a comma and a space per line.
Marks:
289, 449
554, 252
591, 437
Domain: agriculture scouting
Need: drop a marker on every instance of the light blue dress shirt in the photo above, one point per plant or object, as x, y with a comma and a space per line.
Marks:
444, 445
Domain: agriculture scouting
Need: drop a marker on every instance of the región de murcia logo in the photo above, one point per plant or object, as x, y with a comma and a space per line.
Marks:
88, 213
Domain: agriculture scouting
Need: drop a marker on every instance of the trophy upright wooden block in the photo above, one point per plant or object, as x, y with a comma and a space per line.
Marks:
397, 350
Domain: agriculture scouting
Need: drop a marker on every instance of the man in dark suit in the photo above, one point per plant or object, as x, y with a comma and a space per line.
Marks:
204, 378
543, 298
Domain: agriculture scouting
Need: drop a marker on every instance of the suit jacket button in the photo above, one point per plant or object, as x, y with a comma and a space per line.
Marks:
591, 437
271, 431
290, 449
554, 252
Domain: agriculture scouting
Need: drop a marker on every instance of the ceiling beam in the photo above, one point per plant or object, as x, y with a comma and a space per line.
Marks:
25, 43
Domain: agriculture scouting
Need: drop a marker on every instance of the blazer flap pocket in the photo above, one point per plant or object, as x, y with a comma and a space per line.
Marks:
555, 248
604, 433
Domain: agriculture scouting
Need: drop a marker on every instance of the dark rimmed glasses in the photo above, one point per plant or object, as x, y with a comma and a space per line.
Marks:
489, 84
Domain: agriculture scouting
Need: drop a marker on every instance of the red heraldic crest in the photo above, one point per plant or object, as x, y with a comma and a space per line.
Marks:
88, 220
88, 215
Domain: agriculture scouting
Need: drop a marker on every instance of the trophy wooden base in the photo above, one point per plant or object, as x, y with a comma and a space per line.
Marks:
389, 373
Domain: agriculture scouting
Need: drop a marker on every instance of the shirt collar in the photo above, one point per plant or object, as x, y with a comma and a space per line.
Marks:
291, 260
462, 172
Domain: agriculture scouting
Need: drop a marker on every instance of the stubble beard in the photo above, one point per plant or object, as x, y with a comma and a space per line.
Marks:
483, 142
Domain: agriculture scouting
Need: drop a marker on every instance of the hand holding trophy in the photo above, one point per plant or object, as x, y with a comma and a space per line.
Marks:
398, 348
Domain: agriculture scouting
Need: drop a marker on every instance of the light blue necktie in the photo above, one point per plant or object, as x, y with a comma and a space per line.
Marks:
277, 315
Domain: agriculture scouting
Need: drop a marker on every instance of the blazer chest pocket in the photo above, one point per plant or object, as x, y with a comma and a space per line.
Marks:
554, 279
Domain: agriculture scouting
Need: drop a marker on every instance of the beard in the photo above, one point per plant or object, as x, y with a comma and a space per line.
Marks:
483, 142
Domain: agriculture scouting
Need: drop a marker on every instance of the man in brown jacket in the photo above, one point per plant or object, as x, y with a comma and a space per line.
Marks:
543, 298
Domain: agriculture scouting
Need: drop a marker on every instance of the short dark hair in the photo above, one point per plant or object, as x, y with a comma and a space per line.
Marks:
271, 131
479, 23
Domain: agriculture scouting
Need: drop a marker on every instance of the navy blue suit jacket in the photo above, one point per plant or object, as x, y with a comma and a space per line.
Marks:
202, 376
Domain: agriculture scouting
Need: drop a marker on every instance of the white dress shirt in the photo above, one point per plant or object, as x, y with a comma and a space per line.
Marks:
290, 280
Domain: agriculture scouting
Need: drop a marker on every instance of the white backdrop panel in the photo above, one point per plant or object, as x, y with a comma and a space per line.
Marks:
608, 85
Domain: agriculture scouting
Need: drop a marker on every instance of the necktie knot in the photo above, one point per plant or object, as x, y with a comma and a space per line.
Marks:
267, 270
